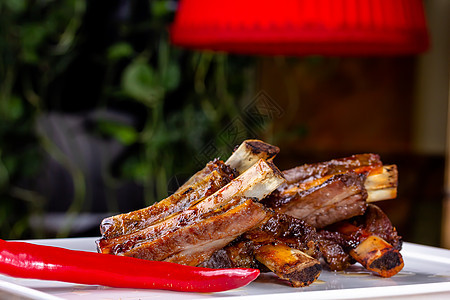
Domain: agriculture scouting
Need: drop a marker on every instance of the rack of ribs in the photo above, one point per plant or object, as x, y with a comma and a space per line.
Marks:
284, 245
369, 239
244, 212
340, 192
328, 192
188, 226
214, 176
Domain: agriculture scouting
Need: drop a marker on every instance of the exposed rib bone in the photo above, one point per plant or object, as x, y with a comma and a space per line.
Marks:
372, 241
383, 194
249, 152
383, 185
290, 264
246, 155
380, 183
257, 182
332, 198
377, 255
385, 178
181, 199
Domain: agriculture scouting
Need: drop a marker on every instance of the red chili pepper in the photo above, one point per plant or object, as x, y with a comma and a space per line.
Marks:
26, 260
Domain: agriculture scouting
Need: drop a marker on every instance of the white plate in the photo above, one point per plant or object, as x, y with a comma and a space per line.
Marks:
426, 273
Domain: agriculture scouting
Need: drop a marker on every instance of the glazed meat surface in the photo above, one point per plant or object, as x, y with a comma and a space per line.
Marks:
283, 244
192, 244
212, 178
340, 197
191, 235
246, 213
336, 244
308, 172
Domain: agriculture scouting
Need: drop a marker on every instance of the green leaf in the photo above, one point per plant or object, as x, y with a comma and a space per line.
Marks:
172, 77
160, 8
32, 36
139, 81
12, 109
136, 169
17, 6
125, 134
119, 51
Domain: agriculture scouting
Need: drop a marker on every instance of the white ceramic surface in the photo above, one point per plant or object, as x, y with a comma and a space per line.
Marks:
426, 273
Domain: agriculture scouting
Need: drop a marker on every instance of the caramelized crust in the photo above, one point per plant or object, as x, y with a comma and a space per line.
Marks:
283, 245
192, 244
309, 172
246, 213
369, 239
191, 235
340, 197
213, 177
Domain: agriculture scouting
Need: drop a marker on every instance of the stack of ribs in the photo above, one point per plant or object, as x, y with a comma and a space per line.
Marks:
245, 213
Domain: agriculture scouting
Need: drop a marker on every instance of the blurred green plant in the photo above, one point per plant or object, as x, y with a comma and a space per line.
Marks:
36, 38
175, 130
186, 98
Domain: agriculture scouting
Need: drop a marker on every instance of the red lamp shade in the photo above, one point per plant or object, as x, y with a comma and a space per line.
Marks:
302, 27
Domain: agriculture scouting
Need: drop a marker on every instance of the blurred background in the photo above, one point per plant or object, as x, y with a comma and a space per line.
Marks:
100, 114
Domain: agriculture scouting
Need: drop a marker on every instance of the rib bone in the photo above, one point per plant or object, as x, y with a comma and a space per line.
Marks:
377, 255
382, 185
325, 200
136, 220
192, 244
249, 152
215, 175
290, 264
257, 182
245, 156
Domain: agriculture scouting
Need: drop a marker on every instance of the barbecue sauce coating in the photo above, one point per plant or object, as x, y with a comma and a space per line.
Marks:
314, 196
376, 222
213, 177
334, 251
293, 232
337, 240
337, 198
308, 172
283, 244
278, 229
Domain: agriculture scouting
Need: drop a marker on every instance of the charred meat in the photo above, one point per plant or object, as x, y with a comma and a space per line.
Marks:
283, 244
370, 240
245, 213
256, 183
